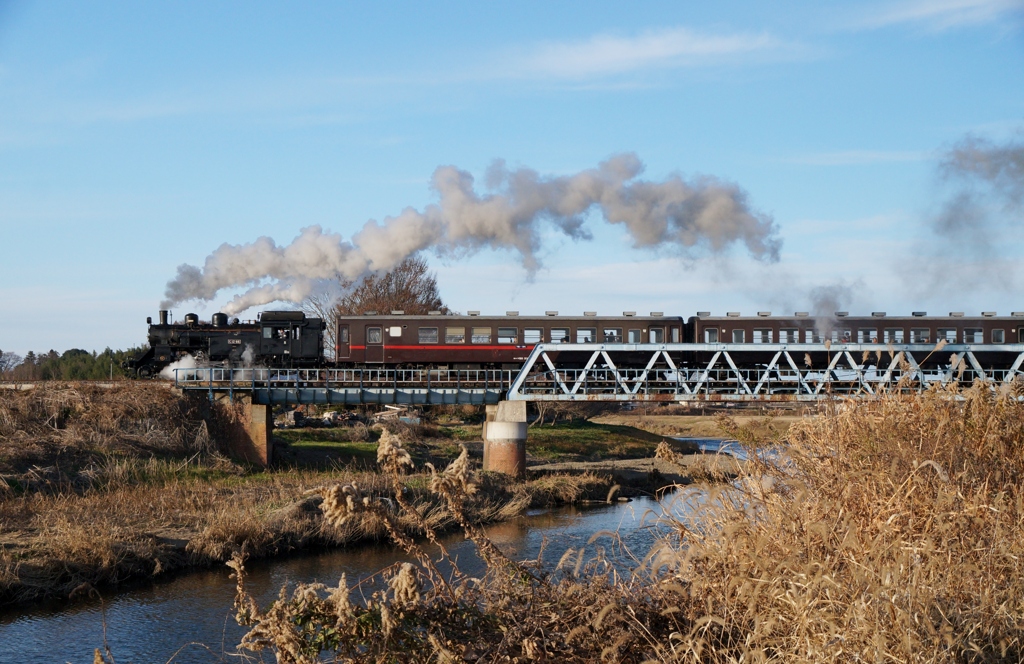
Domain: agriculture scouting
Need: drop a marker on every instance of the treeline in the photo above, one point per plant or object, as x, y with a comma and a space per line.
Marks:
73, 364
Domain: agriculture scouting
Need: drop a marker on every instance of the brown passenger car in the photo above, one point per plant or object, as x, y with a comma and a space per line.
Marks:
475, 341
877, 328
918, 328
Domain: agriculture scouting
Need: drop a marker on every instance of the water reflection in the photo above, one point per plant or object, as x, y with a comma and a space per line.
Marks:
155, 623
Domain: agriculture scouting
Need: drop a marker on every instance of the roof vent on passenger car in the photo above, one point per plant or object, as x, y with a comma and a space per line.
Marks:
842, 314
764, 314
657, 314
397, 312
589, 313
703, 314
733, 314
919, 314
511, 313
369, 313
550, 313
629, 313
878, 314
472, 313
800, 314
988, 314
433, 313
1017, 313
956, 314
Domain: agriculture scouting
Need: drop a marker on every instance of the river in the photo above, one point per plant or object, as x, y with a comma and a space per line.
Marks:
189, 618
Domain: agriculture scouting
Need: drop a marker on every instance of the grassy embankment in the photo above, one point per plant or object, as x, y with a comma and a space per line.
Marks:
99, 486
891, 530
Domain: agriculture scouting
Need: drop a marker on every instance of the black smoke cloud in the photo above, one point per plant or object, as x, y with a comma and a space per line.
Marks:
967, 239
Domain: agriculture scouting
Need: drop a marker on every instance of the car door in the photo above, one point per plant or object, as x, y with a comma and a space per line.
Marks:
374, 344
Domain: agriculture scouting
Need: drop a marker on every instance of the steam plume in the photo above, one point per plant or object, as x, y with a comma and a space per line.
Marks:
984, 210
690, 217
825, 301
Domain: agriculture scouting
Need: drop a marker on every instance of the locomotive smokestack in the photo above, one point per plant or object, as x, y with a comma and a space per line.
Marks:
687, 217
163, 316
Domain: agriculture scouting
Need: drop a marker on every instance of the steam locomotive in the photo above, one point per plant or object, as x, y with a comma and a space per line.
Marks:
276, 339
288, 339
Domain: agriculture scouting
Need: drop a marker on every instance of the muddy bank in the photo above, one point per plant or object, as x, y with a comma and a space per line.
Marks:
651, 474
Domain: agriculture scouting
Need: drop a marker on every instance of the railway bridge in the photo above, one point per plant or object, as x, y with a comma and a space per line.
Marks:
737, 373
634, 372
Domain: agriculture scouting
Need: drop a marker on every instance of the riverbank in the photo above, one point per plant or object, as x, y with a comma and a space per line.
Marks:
110, 486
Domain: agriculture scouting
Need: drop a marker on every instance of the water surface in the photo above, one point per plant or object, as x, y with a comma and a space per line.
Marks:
156, 623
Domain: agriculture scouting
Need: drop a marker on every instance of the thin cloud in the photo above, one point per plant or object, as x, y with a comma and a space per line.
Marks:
603, 55
858, 157
939, 15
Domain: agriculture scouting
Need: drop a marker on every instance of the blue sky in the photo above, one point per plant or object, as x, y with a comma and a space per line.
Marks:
135, 137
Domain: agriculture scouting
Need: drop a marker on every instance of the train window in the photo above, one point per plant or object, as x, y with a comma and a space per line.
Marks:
343, 335
559, 335
533, 335
613, 335
841, 336
374, 335
455, 335
507, 335
948, 334
893, 335
920, 335
675, 335
789, 335
297, 333
586, 335
974, 335
812, 337
634, 337
998, 336
867, 336
656, 335
268, 333
739, 336
395, 331
428, 335
481, 335
763, 335
711, 335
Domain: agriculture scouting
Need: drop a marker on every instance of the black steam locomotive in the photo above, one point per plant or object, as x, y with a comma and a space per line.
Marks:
277, 339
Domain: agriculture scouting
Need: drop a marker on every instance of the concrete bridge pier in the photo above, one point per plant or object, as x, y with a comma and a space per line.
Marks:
247, 428
505, 438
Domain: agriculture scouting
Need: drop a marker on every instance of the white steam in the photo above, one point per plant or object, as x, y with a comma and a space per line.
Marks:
688, 217
186, 362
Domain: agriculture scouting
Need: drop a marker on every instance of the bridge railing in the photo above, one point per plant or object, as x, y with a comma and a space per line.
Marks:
262, 378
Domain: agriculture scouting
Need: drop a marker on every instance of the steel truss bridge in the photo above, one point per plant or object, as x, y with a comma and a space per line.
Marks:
636, 372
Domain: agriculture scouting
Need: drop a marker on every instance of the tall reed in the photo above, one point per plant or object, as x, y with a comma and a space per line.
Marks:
886, 530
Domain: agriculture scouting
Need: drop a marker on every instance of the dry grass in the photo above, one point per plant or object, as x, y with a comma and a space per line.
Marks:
109, 516
891, 530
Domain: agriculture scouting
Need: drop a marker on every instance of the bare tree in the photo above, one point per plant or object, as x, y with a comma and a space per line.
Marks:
8, 361
409, 287
325, 307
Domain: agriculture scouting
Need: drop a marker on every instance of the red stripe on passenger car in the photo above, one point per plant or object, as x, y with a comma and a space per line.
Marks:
459, 347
